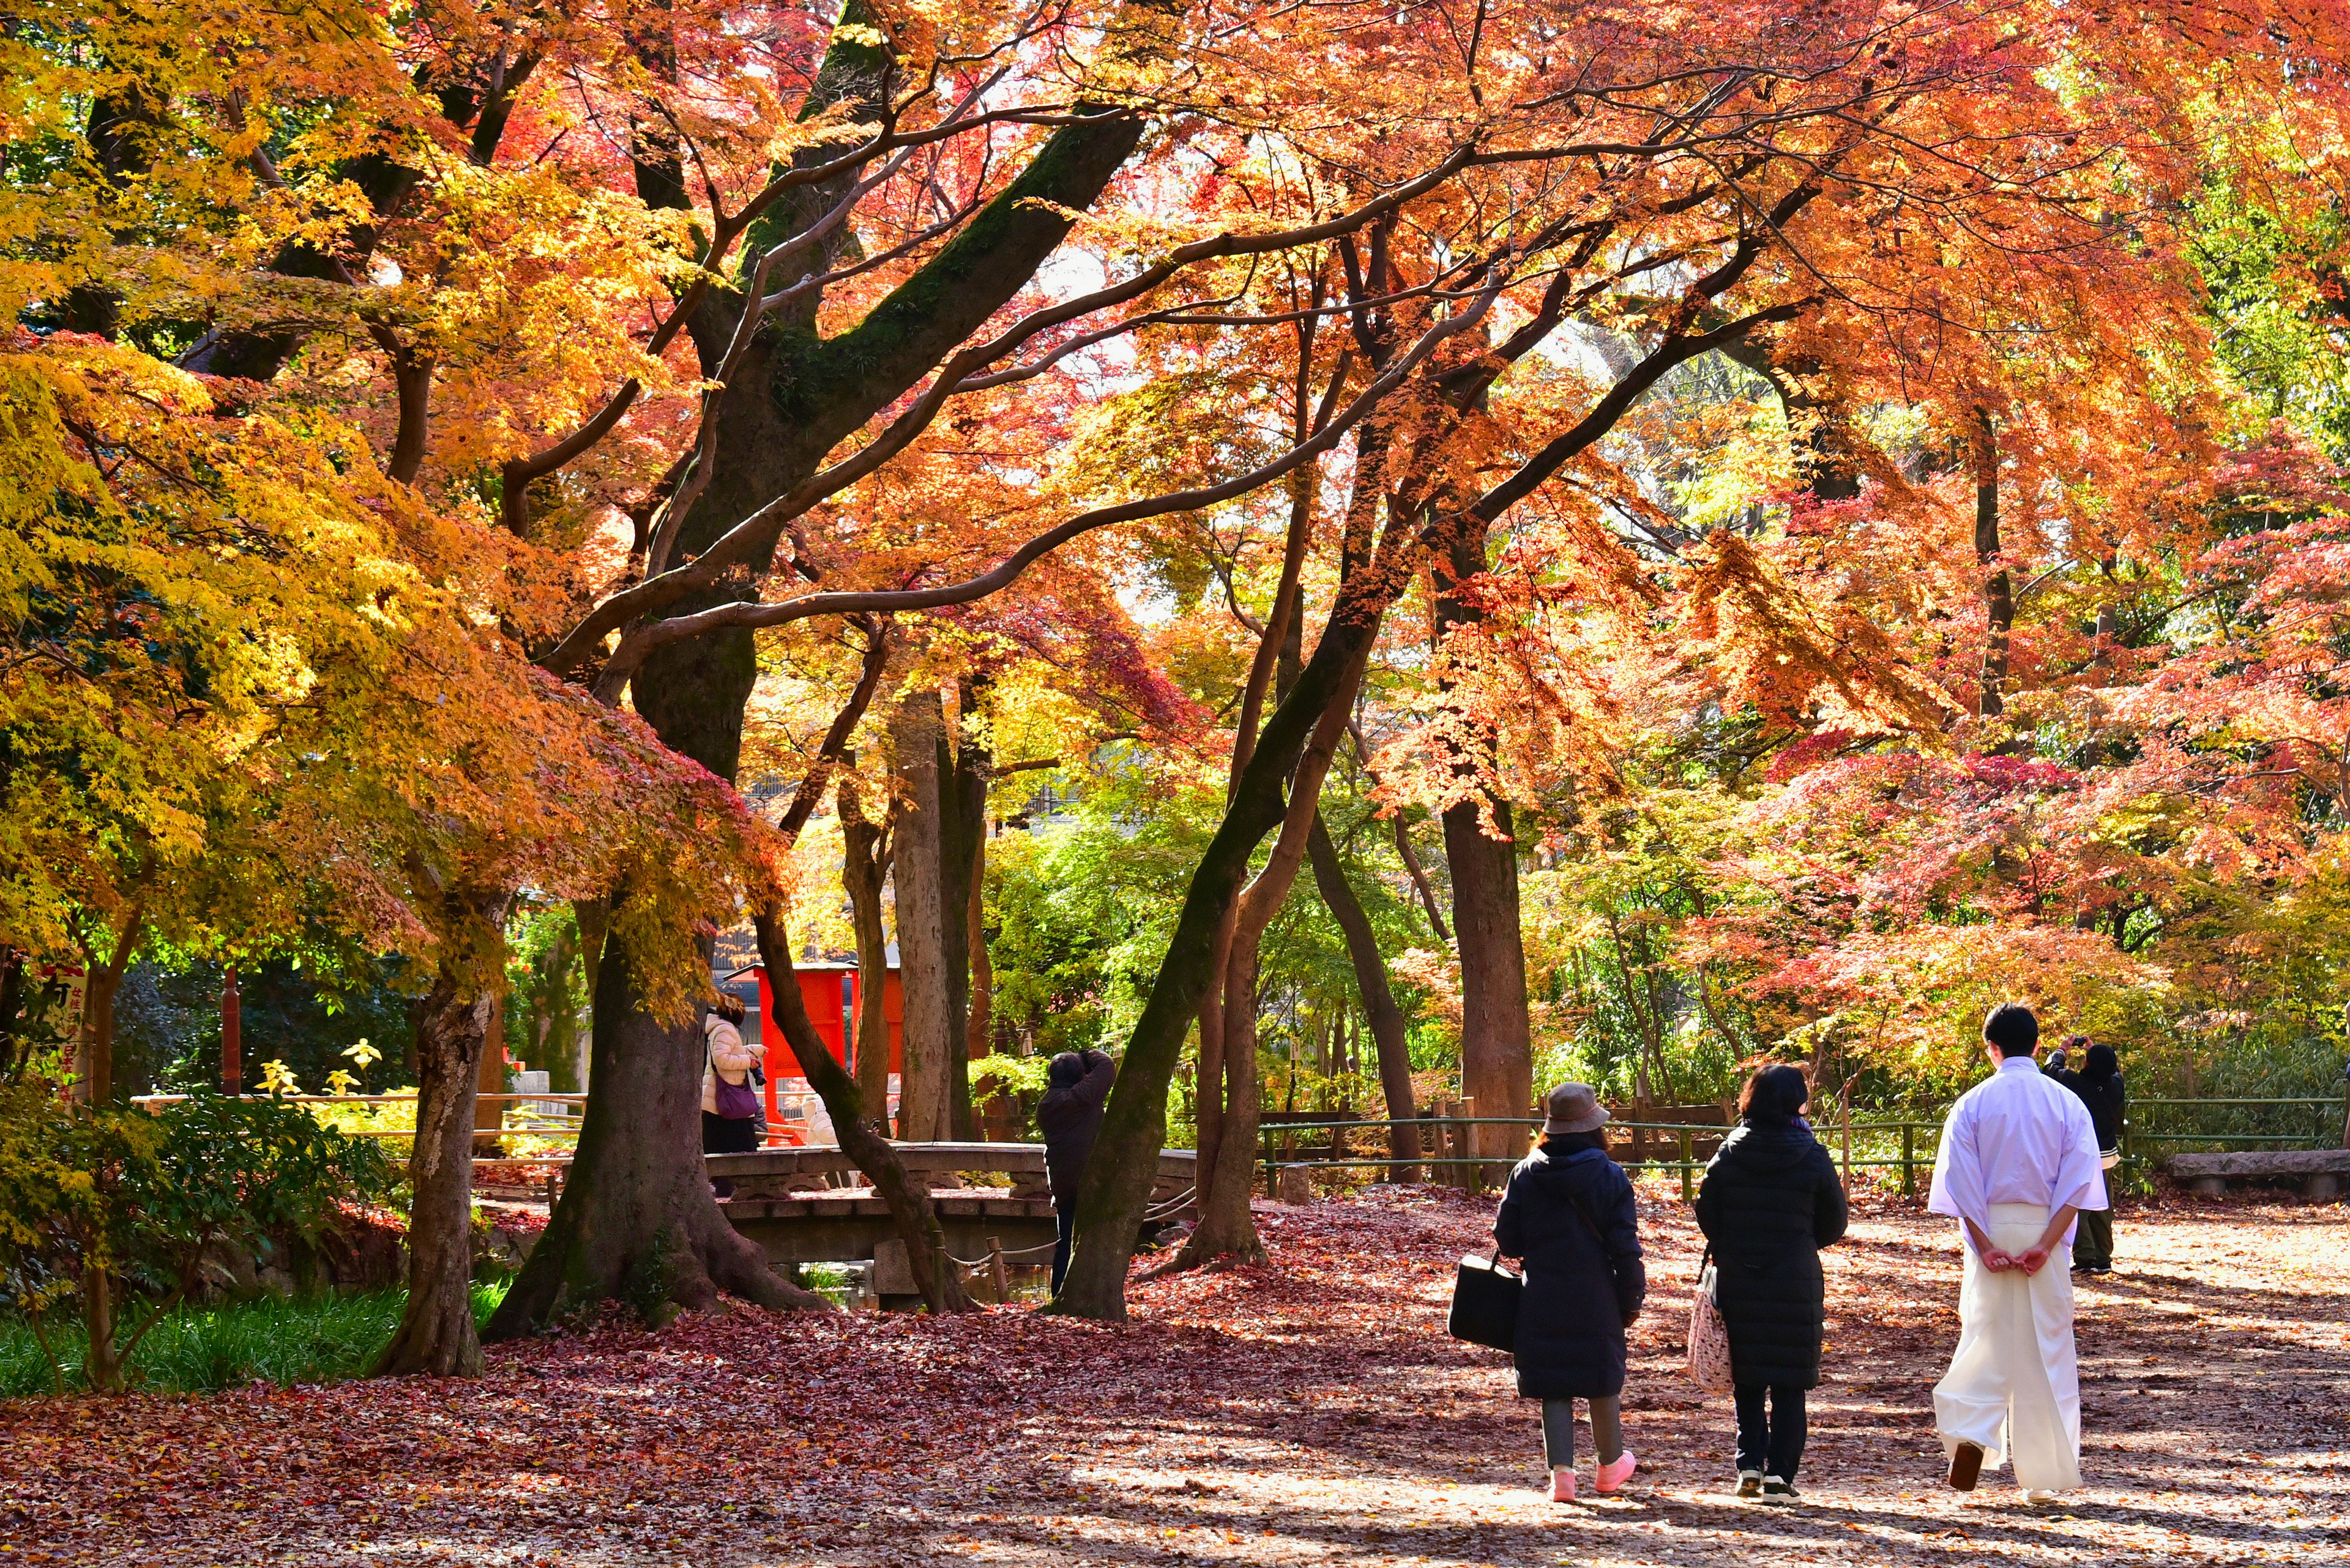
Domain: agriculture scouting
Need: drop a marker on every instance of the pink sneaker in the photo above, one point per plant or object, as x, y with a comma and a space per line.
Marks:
1562, 1486
1612, 1475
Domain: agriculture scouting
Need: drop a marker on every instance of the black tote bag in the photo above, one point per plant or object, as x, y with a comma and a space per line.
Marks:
1485, 1303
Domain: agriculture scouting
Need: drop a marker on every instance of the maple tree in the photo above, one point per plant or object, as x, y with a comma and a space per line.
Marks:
393, 397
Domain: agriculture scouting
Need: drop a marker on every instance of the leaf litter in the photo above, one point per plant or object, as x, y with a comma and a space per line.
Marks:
1309, 1411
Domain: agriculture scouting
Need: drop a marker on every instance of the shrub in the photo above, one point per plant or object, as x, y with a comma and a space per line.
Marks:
113, 1208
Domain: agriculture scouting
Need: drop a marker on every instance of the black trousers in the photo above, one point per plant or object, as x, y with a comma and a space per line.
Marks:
1065, 1225
728, 1134
2093, 1242
1773, 1443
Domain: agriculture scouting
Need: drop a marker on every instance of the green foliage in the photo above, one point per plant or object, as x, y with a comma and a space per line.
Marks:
1082, 908
113, 1208
547, 1001
194, 1350
999, 1073
2275, 285
168, 1021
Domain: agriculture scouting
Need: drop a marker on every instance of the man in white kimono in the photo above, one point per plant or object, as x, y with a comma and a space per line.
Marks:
2019, 1159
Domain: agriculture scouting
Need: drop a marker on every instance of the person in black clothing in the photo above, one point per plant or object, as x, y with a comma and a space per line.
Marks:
1070, 1119
2099, 1085
1568, 1217
1771, 1201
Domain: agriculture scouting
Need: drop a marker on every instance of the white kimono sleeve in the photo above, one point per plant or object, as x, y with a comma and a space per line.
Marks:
2081, 1176
1958, 1187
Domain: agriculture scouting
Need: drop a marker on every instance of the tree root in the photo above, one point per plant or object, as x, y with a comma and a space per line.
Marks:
1208, 1260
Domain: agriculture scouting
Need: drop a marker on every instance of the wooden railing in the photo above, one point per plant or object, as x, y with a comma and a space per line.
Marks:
2149, 1131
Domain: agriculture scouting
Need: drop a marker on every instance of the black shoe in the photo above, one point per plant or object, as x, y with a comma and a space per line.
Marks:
1966, 1467
1750, 1484
1776, 1490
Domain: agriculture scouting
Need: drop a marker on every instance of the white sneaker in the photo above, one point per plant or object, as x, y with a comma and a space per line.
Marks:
2038, 1494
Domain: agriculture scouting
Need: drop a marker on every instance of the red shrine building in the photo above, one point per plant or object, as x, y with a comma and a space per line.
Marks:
829, 992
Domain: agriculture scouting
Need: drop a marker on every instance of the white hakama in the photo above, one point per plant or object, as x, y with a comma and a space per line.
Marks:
2014, 1389
2017, 1148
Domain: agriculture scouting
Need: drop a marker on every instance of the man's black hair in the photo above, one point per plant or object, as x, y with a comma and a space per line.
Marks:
1064, 1070
2012, 1029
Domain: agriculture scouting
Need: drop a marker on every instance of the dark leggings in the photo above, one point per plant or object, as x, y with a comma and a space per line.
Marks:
1558, 1430
1773, 1444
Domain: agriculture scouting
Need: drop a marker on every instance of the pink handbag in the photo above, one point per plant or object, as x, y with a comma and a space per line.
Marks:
1708, 1336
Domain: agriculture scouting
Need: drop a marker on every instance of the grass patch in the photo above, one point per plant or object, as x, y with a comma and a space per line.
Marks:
309, 1339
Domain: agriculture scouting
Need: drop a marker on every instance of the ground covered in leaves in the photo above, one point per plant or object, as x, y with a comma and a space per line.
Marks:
1308, 1412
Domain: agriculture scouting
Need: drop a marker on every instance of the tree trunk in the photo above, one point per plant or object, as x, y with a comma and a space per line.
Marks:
1419, 874
864, 867
2109, 626
1497, 1065
1209, 1110
795, 397
636, 1221
924, 1101
1496, 1031
436, 1335
964, 769
105, 1362
12, 1002
910, 1209
94, 1071
1227, 1226
981, 1026
1378, 1000
1116, 1185
1999, 595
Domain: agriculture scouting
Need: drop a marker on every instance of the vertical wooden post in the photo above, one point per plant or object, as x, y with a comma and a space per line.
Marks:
231, 1034
1908, 1159
1685, 1165
996, 1272
1471, 1173
1845, 1106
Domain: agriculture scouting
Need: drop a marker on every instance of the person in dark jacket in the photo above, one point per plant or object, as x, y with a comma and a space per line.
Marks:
1070, 1119
2099, 1085
1771, 1201
1568, 1217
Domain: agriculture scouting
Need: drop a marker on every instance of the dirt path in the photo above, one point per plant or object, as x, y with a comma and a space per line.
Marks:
1309, 1413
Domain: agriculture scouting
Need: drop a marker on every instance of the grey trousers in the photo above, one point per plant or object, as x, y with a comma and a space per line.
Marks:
1558, 1430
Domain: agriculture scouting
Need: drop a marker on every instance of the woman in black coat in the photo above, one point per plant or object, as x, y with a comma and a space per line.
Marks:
1769, 1202
2099, 1086
1568, 1217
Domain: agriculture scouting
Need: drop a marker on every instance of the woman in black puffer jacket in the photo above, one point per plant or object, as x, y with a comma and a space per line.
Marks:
1769, 1202
1568, 1216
